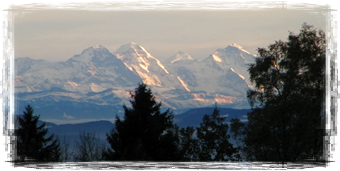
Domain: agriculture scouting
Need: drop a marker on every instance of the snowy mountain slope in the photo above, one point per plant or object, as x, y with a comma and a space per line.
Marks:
23, 66
221, 77
99, 69
179, 56
149, 68
97, 79
93, 79
233, 56
95, 69
209, 85
26, 63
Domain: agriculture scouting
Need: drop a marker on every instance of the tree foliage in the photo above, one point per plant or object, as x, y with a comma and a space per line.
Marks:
31, 141
288, 101
145, 133
210, 149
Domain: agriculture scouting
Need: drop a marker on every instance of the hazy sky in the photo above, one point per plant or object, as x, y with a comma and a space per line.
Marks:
58, 35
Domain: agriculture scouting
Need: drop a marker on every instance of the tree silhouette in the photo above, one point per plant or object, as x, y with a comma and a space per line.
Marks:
88, 148
31, 141
145, 132
288, 101
211, 149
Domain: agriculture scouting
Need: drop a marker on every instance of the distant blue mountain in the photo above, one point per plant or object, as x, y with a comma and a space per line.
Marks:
98, 127
194, 116
7, 118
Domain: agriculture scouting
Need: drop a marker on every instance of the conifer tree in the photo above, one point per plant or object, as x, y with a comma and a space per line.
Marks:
213, 139
189, 149
145, 133
31, 141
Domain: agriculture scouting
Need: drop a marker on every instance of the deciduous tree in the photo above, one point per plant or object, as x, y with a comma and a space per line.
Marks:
286, 122
88, 148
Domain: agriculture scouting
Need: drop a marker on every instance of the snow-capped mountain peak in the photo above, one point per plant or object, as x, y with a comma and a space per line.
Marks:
97, 52
123, 48
179, 56
99, 47
231, 56
130, 51
141, 62
129, 46
238, 47
96, 48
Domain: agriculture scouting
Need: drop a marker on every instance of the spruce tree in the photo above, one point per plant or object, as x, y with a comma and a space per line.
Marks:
145, 133
31, 141
213, 139
188, 145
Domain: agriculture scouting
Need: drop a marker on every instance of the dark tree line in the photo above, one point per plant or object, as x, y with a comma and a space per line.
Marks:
146, 134
208, 142
286, 122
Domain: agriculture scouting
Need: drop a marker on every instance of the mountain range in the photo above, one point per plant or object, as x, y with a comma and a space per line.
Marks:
96, 82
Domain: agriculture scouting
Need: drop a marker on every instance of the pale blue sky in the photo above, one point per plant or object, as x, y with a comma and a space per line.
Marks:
57, 35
